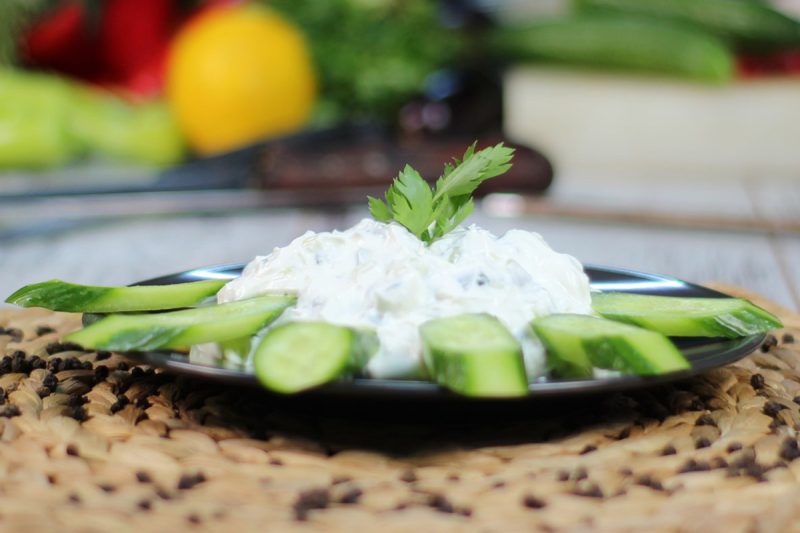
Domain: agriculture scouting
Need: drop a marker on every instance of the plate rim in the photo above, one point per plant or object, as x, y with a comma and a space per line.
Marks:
737, 348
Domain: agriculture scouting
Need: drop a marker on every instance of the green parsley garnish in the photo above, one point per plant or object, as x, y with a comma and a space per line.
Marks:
429, 212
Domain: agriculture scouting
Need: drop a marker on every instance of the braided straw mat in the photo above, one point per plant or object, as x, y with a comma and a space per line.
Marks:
93, 442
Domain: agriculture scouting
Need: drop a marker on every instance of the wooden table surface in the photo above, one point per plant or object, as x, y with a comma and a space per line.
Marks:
745, 233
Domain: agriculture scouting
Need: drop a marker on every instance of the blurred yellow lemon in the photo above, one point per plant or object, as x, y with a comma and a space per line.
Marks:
237, 74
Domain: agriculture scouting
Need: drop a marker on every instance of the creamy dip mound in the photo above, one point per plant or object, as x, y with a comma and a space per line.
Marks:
381, 276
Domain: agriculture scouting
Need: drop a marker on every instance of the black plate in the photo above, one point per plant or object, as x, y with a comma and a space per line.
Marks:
703, 353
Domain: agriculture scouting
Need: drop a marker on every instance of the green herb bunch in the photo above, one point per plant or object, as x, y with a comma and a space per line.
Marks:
429, 213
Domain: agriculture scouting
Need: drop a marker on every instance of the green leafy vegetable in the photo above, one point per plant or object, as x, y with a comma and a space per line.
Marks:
371, 56
430, 213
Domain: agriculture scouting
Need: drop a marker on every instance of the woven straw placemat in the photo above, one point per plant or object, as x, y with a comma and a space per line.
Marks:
93, 442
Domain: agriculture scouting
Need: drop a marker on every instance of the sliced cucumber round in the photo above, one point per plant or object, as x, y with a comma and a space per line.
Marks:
301, 355
686, 317
577, 343
474, 355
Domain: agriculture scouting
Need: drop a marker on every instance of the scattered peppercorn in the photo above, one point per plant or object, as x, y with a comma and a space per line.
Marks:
44, 330
787, 338
624, 434
772, 408
58, 347
441, 503
757, 381
718, 462
532, 502
11, 411
705, 420
408, 476
143, 477
14, 333
76, 400
589, 448
697, 405
77, 412
694, 466
734, 447
120, 404
789, 449
351, 496
579, 474
747, 466
310, 500
188, 481
588, 490
50, 381
101, 372
650, 482
143, 403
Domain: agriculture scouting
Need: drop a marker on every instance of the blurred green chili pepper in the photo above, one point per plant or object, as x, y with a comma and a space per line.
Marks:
46, 121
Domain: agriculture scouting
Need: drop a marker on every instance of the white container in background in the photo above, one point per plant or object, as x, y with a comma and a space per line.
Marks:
609, 124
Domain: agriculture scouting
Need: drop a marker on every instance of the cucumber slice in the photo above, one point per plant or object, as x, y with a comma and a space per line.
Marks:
177, 329
300, 355
58, 295
576, 343
474, 355
686, 317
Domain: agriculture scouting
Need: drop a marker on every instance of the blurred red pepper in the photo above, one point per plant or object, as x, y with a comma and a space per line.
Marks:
127, 48
134, 37
785, 62
62, 41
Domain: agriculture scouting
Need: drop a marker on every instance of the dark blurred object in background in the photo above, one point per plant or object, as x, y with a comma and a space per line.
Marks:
359, 159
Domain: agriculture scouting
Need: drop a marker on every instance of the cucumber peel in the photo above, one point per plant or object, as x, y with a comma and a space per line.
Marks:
178, 329
577, 343
297, 356
58, 295
633, 43
474, 355
686, 317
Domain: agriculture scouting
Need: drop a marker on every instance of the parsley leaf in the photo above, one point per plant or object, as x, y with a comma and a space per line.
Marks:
431, 213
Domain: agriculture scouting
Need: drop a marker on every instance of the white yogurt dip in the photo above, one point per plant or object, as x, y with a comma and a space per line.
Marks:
383, 277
